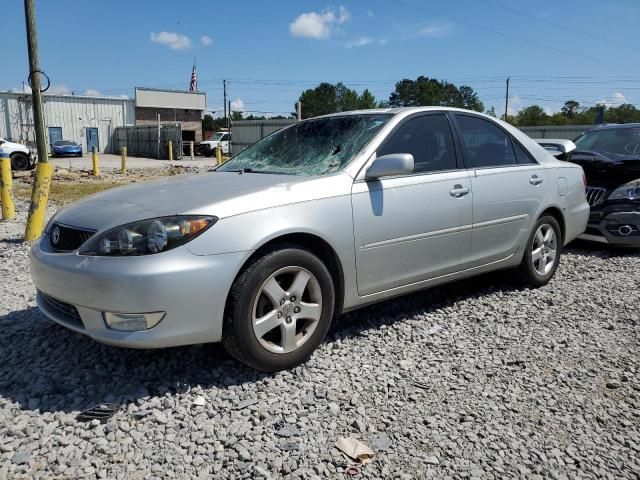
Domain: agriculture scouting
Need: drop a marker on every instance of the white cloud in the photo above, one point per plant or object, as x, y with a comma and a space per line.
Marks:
319, 26
27, 89
206, 40
59, 90
360, 42
175, 41
515, 105
124, 96
237, 105
435, 30
92, 92
615, 99
370, 14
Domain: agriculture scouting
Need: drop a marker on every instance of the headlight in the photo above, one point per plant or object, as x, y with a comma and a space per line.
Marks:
148, 236
628, 191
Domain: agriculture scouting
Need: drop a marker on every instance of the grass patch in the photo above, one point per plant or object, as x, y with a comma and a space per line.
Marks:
62, 193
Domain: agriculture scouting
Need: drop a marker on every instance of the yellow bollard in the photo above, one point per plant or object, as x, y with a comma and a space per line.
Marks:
191, 151
218, 155
96, 162
38, 206
6, 196
170, 150
123, 160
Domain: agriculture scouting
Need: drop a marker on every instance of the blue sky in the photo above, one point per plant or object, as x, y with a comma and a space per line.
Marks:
271, 51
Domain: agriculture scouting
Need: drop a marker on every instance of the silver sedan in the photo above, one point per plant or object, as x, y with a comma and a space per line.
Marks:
322, 217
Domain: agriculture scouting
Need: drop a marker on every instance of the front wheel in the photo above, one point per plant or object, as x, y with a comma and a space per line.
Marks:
19, 161
542, 255
280, 310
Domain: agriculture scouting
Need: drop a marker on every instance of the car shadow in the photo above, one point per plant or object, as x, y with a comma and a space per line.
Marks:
47, 367
600, 250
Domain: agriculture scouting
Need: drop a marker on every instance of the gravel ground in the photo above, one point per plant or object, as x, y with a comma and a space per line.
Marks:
478, 379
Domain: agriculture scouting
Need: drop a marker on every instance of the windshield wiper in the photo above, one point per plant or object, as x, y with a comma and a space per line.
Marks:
251, 170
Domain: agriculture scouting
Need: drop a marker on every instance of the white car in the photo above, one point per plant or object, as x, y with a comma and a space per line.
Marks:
222, 139
21, 156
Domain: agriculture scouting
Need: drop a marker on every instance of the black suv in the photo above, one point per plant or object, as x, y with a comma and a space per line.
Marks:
610, 157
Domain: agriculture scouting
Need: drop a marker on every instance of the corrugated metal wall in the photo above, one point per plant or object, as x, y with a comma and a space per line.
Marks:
248, 132
72, 113
568, 132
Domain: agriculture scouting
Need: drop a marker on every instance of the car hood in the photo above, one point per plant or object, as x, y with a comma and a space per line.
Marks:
66, 147
14, 147
606, 169
221, 194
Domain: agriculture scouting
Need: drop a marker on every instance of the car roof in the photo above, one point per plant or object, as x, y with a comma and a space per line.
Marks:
614, 126
398, 110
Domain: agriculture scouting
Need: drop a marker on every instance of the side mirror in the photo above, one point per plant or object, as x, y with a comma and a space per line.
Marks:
557, 147
390, 165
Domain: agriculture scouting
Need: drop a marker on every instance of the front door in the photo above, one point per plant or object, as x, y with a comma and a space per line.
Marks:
411, 228
508, 188
92, 139
55, 135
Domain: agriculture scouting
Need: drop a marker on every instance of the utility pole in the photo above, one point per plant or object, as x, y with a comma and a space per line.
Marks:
224, 88
299, 110
40, 192
506, 101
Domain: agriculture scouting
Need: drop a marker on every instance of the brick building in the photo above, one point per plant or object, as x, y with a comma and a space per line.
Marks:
173, 106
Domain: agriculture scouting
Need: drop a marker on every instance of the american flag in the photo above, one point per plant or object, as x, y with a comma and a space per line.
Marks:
193, 86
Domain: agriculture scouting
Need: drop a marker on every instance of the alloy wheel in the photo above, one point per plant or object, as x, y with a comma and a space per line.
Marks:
545, 249
287, 309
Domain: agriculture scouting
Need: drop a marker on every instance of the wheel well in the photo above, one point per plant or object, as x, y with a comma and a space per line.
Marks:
557, 214
314, 244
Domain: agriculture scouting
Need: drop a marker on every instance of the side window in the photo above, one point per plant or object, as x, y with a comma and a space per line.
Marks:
428, 138
522, 156
484, 144
224, 138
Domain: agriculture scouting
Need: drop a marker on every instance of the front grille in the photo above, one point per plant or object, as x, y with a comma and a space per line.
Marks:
595, 195
66, 310
65, 239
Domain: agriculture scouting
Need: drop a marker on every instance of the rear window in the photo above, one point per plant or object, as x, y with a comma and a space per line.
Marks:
623, 141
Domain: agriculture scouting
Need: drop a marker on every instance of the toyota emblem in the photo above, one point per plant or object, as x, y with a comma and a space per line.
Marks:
55, 235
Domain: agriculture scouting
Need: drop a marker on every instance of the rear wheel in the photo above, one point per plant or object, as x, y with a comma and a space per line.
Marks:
280, 309
542, 256
19, 161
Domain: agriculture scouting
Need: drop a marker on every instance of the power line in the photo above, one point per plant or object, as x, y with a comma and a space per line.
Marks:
506, 35
558, 25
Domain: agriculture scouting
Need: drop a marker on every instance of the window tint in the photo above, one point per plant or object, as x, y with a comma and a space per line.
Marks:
428, 138
484, 144
522, 156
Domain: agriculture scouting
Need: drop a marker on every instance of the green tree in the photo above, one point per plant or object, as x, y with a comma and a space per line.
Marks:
533, 115
570, 108
208, 124
366, 100
328, 98
492, 112
235, 116
625, 113
424, 91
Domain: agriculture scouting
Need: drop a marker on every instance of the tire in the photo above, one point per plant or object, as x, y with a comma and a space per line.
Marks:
293, 329
542, 255
20, 161
208, 153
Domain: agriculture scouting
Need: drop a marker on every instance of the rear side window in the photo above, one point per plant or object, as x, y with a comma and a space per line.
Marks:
484, 144
522, 156
428, 138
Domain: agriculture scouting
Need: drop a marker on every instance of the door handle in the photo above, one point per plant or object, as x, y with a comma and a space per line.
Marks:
459, 191
535, 180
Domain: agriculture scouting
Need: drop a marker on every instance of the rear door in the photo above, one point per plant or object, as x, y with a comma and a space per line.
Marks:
508, 187
411, 228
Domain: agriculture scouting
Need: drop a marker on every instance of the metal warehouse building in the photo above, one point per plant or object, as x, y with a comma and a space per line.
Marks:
90, 121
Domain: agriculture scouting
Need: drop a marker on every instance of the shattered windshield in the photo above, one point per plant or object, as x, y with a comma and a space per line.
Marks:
312, 147
623, 141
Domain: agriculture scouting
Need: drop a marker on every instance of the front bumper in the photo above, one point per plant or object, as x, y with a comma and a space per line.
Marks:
191, 289
66, 153
617, 224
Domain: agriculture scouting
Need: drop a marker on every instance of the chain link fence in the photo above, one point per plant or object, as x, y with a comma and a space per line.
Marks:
149, 141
